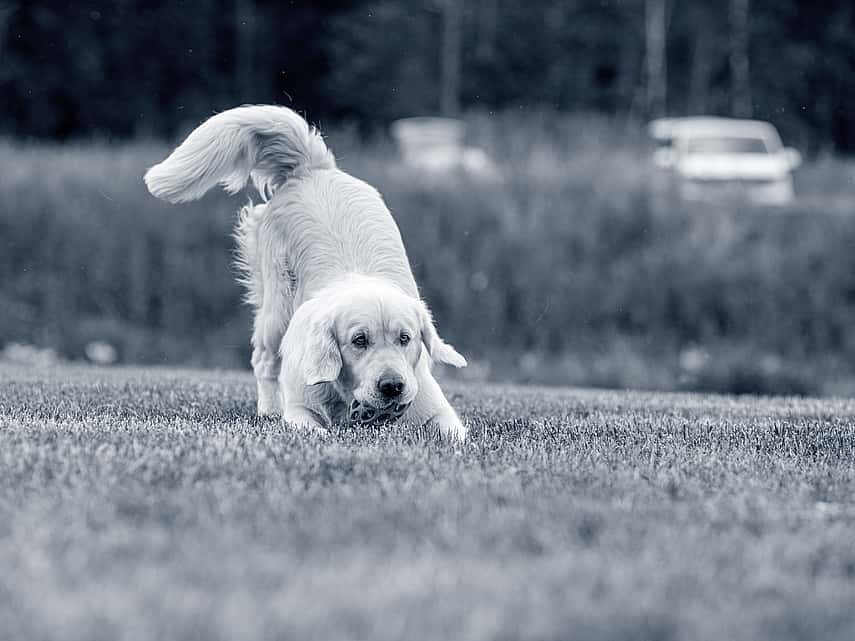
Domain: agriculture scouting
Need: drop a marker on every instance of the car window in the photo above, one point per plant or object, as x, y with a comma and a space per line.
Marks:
725, 145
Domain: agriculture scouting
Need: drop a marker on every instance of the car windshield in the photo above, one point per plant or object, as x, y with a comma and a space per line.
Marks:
725, 145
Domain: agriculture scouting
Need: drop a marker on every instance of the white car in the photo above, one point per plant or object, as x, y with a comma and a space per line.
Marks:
725, 158
435, 145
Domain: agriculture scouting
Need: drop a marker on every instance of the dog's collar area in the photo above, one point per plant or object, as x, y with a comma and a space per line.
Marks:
361, 414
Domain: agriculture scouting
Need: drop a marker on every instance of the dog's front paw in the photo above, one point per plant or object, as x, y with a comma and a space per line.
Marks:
300, 418
451, 427
268, 408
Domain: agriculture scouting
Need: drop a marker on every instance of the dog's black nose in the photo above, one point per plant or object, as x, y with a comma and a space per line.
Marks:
391, 386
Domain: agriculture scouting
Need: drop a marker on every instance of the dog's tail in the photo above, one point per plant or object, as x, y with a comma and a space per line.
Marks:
266, 143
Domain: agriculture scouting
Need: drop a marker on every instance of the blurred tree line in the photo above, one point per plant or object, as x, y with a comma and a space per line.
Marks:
147, 67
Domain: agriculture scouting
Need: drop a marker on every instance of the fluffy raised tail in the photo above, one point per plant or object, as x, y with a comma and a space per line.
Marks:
266, 143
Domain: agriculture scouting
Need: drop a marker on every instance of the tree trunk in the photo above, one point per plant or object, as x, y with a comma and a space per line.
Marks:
449, 104
739, 64
699, 81
244, 51
488, 20
655, 57
6, 12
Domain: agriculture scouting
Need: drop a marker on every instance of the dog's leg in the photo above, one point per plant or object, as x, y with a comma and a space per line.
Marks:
265, 366
431, 406
271, 321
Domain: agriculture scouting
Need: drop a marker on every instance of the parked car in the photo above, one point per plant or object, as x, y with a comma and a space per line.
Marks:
436, 145
725, 158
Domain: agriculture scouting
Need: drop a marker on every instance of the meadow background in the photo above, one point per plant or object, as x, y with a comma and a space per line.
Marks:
569, 266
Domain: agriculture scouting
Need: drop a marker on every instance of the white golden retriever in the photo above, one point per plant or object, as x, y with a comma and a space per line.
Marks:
340, 331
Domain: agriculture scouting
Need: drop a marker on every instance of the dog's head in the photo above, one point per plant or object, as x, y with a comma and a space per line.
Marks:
366, 340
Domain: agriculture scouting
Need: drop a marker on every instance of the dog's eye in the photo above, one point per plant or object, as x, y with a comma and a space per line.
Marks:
405, 338
360, 340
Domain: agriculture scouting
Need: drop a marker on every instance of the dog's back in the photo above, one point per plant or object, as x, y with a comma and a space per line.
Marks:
317, 223
329, 224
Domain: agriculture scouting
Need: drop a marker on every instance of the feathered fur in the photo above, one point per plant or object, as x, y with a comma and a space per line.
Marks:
266, 143
247, 260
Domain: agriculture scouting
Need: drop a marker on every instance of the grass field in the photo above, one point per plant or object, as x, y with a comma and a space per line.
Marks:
151, 504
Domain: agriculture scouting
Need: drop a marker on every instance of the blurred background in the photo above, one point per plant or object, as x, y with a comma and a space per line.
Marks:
560, 230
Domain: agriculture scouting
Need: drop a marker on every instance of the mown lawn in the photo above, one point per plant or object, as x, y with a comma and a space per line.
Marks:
151, 504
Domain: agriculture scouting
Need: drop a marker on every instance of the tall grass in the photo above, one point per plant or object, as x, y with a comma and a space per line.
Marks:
565, 268
88, 254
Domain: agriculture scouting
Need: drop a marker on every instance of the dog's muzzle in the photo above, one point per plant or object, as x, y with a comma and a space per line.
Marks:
361, 414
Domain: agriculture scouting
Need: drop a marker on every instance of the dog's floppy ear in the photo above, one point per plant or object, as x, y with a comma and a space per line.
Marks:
310, 350
439, 350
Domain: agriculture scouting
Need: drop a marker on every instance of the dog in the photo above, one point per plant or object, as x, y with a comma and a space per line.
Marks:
340, 333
